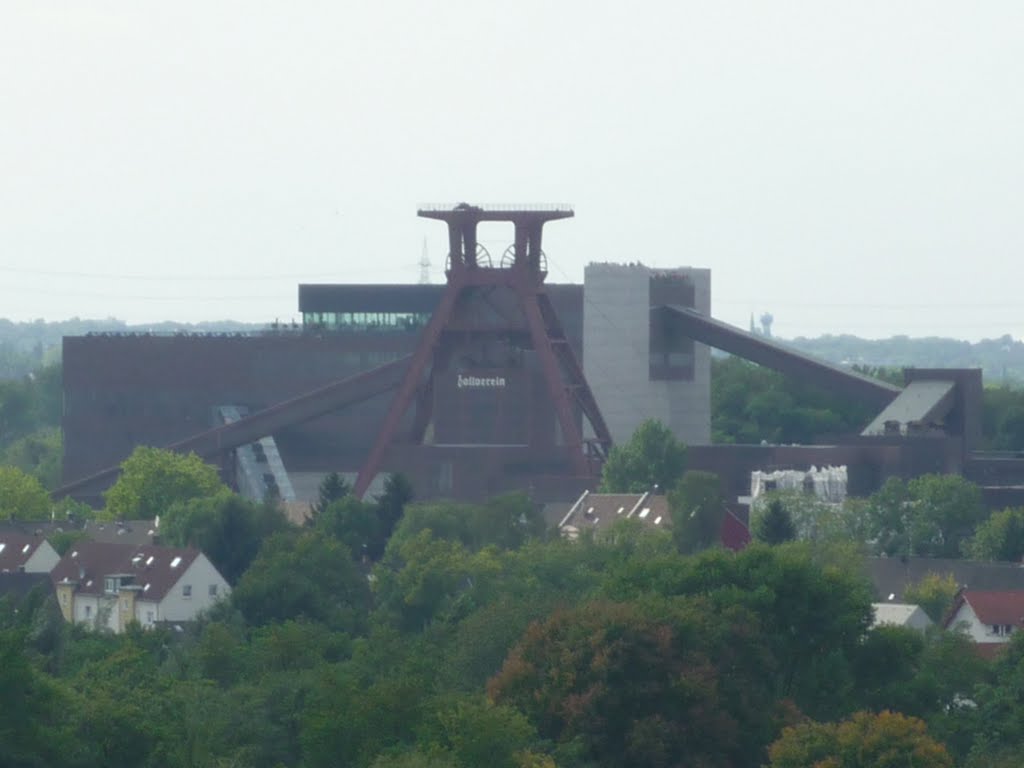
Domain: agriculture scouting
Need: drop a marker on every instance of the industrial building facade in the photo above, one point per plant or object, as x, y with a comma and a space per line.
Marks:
124, 390
493, 382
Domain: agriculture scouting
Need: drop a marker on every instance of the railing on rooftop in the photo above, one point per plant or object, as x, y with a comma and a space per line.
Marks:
269, 330
497, 207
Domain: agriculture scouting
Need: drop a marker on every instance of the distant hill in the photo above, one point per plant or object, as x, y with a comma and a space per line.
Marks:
1002, 359
24, 347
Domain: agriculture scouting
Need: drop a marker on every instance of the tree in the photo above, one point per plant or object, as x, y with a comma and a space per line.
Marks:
38, 454
22, 496
33, 717
930, 515
635, 685
225, 527
1000, 733
697, 510
474, 732
652, 458
423, 579
774, 525
934, 593
332, 488
505, 521
1001, 537
750, 403
153, 479
303, 576
398, 492
356, 524
884, 740
810, 612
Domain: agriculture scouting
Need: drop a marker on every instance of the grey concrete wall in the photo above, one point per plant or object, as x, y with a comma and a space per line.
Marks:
616, 354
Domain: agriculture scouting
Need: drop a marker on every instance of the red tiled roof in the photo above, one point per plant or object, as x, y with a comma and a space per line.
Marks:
603, 509
996, 607
16, 549
156, 569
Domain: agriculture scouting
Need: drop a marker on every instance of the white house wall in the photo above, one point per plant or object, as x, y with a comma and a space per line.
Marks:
43, 560
147, 613
88, 607
978, 632
200, 575
918, 620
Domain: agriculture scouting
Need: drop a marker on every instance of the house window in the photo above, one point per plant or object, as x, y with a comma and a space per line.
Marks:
213, 590
149, 617
88, 611
186, 591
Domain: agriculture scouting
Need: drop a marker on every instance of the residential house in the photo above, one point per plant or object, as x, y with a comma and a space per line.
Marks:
124, 531
111, 584
900, 615
21, 553
593, 511
989, 618
892, 575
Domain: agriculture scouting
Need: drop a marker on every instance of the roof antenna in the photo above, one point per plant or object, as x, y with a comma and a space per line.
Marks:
425, 265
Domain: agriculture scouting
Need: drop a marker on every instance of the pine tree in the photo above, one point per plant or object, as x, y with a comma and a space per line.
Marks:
775, 524
332, 488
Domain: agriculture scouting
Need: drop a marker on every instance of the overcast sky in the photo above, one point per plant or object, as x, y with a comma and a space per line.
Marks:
851, 167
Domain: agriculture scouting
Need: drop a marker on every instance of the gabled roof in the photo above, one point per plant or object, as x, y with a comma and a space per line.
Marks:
123, 531
155, 569
134, 532
599, 510
16, 586
16, 549
897, 613
892, 575
992, 608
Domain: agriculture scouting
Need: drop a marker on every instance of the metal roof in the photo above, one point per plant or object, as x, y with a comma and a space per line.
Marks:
923, 402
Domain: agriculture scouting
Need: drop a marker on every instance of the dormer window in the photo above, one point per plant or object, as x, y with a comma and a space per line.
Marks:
113, 583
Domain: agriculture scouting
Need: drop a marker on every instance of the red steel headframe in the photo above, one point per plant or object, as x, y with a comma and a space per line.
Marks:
524, 277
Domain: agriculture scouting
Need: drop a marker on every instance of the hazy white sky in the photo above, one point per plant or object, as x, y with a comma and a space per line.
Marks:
851, 167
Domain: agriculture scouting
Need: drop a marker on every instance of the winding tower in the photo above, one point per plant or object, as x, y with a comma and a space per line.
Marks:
494, 329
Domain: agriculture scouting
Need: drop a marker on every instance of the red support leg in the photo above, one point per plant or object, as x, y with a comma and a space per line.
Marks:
407, 389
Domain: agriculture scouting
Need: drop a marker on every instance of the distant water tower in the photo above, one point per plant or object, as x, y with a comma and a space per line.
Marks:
766, 324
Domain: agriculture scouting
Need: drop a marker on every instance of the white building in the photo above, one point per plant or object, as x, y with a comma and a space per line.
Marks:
109, 585
20, 553
988, 617
900, 615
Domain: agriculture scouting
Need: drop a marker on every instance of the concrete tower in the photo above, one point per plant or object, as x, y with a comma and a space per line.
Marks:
637, 370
